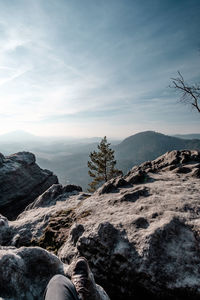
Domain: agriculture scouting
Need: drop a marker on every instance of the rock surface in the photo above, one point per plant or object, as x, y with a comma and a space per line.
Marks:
21, 181
139, 232
25, 273
53, 194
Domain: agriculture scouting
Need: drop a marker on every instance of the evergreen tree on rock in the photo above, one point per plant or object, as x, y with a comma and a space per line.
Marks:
102, 165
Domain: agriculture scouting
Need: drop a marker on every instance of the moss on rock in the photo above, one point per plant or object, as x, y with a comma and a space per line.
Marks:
57, 230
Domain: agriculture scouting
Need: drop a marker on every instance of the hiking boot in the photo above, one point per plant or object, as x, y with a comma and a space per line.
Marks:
80, 277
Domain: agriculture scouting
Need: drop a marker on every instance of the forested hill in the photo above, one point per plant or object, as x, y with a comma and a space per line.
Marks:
148, 145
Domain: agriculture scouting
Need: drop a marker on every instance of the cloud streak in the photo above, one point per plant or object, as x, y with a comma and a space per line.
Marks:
66, 64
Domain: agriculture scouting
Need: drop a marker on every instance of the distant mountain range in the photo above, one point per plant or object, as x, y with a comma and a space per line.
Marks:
68, 158
191, 136
21, 136
18, 135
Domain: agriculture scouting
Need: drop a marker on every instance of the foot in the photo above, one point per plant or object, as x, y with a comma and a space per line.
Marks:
80, 277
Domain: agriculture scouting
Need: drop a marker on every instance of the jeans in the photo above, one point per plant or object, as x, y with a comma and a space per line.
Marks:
60, 288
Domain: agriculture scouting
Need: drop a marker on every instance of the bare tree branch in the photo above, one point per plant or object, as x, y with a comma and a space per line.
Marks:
189, 93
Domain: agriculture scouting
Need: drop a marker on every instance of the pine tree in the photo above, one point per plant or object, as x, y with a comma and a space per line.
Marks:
102, 165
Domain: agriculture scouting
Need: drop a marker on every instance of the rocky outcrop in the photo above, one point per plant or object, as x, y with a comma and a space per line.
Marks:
55, 193
139, 232
173, 160
48, 214
21, 181
142, 237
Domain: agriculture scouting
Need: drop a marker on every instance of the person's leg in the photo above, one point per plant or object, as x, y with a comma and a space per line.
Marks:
60, 288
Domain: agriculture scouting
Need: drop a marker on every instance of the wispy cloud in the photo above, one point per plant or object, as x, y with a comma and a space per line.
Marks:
64, 64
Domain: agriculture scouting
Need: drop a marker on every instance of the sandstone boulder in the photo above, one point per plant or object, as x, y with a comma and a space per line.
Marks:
21, 181
25, 272
55, 193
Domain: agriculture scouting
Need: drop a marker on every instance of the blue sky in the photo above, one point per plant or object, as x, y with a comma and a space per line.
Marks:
97, 67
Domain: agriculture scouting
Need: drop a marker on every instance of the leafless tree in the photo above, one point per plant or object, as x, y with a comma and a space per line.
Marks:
189, 93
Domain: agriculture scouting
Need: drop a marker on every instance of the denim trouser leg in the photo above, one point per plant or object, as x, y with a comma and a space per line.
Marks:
60, 288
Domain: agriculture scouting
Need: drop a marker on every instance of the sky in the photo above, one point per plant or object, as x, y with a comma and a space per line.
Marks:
86, 68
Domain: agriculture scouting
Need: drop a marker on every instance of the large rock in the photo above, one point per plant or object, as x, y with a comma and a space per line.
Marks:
55, 193
25, 272
21, 181
139, 232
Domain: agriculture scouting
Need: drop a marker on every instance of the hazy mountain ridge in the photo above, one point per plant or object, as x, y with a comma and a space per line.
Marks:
68, 158
191, 136
148, 145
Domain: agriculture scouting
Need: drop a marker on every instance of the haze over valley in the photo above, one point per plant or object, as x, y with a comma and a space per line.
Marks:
68, 157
